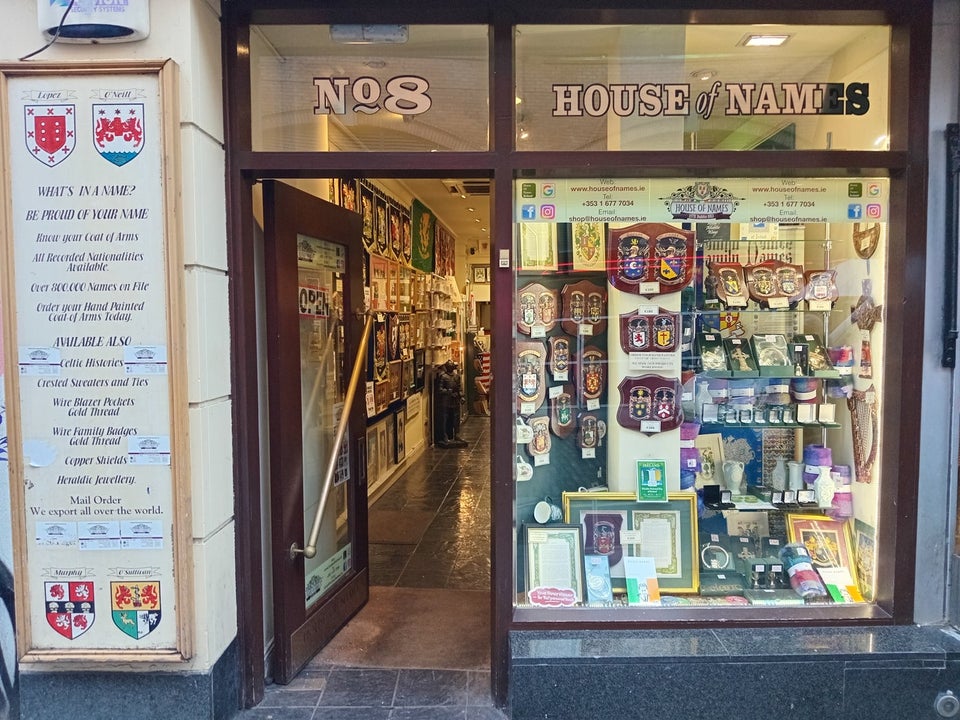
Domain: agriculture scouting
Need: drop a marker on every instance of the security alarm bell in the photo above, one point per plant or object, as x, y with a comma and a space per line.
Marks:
95, 21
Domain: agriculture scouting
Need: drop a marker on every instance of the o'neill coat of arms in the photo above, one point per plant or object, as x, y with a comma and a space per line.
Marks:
118, 131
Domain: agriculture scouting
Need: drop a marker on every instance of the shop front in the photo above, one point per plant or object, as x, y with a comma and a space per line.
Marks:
701, 226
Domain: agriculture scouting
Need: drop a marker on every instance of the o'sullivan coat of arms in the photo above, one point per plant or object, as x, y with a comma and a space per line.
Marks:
136, 607
118, 131
50, 132
70, 608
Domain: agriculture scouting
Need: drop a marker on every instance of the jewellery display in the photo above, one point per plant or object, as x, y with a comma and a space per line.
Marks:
584, 309
713, 357
773, 355
740, 357
649, 331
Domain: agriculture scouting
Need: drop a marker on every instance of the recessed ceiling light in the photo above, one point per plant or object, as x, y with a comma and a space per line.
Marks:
476, 220
705, 74
470, 209
764, 40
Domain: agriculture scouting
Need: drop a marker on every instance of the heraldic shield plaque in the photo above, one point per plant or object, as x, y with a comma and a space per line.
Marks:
650, 404
650, 258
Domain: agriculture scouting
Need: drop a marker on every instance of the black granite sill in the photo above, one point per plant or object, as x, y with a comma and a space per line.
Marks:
797, 644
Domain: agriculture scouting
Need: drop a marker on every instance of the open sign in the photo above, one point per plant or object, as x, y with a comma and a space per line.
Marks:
314, 302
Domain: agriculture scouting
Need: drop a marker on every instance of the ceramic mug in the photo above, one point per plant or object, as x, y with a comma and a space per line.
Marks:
546, 511
524, 470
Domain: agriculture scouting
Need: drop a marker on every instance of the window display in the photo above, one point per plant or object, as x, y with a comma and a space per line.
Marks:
706, 407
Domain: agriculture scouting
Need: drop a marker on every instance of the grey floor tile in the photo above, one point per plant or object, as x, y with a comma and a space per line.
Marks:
278, 696
429, 713
352, 713
431, 687
261, 713
351, 688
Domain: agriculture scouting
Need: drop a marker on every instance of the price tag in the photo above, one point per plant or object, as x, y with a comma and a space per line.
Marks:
538, 331
527, 408
561, 376
585, 329
819, 305
778, 303
593, 404
539, 460
649, 288
588, 453
650, 426
555, 391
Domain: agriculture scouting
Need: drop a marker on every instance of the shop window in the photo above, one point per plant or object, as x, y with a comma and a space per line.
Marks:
699, 368
702, 87
356, 89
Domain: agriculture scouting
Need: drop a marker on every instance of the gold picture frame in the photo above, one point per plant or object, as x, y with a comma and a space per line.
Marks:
630, 522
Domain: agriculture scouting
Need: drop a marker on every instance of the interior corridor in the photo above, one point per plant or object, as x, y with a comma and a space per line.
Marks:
421, 647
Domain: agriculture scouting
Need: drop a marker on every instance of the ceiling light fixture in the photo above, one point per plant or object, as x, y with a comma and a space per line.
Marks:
765, 40
704, 75
369, 34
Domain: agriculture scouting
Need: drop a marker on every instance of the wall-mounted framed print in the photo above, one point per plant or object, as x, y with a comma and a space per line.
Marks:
480, 273
617, 525
554, 560
828, 541
588, 240
538, 246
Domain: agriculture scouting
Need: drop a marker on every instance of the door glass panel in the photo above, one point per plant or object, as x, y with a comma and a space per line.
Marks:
702, 87
321, 268
353, 88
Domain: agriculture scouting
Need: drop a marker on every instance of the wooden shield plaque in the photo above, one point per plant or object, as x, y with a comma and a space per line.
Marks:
592, 373
650, 404
584, 306
649, 332
650, 258
531, 376
563, 412
537, 307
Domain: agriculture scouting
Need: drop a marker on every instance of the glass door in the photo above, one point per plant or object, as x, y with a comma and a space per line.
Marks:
317, 486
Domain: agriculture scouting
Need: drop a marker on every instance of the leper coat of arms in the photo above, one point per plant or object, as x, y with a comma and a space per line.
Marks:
50, 132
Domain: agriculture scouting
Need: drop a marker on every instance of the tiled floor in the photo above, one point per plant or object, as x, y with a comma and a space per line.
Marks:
453, 552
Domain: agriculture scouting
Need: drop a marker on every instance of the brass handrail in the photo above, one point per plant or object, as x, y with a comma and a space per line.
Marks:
311, 548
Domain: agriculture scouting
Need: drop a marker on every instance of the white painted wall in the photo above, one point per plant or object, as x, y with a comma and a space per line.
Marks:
187, 31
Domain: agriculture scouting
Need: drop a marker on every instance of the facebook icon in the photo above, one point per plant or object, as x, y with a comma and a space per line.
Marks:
528, 212
854, 211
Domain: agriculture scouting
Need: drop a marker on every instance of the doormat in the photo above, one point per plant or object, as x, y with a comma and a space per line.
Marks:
398, 527
415, 628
